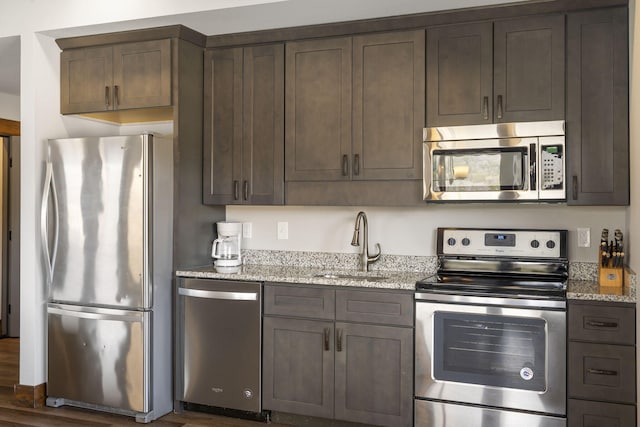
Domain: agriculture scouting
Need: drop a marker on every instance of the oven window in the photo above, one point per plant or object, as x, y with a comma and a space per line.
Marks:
490, 169
491, 350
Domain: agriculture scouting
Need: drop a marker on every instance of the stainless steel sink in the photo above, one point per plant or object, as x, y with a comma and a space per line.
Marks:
365, 277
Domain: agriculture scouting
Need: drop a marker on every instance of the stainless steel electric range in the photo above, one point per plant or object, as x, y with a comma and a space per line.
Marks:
491, 330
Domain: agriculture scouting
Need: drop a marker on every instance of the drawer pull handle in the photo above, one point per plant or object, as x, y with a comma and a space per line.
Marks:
326, 339
601, 372
599, 324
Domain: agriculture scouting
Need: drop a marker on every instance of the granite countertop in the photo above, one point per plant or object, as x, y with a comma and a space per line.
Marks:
396, 273
592, 291
402, 280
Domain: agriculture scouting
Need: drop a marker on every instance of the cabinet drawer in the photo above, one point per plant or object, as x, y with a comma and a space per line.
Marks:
602, 372
583, 413
385, 308
602, 323
299, 301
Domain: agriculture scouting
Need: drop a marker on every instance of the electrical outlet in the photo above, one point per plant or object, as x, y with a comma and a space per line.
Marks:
584, 237
247, 230
283, 230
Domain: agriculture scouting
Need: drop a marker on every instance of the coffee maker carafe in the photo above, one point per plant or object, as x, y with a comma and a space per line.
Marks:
226, 249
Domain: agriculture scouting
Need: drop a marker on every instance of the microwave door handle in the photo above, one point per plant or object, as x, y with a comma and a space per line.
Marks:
532, 167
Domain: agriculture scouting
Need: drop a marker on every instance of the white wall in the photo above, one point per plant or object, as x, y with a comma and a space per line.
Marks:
9, 106
411, 231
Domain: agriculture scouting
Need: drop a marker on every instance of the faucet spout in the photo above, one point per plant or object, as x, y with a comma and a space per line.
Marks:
365, 259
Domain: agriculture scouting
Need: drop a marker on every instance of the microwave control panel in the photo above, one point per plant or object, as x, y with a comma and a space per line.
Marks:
552, 167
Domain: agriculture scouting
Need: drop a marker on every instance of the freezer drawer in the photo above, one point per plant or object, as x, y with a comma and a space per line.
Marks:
99, 356
220, 335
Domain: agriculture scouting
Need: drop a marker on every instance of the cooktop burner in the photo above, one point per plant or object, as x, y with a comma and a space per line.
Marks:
491, 262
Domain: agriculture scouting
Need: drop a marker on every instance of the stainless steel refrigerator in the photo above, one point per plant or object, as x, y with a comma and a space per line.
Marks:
107, 240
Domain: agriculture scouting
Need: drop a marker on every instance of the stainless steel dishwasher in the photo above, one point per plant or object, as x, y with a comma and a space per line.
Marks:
219, 343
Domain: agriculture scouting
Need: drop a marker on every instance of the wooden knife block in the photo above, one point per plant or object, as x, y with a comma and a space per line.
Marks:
609, 276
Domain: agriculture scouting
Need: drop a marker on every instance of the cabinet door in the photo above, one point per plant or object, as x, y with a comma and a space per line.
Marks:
585, 413
597, 108
459, 74
86, 77
602, 322
318, 110
388, 105
374, 374
529, 69
601, 372
222, 168
263, 125
142, 74
298, 366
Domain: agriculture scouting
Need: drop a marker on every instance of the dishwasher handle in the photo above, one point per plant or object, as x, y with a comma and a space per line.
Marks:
223, 295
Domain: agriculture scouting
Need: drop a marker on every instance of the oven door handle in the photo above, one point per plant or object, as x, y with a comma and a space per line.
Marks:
488, 300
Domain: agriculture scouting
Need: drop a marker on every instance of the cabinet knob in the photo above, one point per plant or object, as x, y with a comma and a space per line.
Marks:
499, 106
107, 97
116, 96
245, 190
236, 190
356, 164
345, 165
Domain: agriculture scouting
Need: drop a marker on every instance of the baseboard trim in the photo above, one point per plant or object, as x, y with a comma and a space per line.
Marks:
30, 396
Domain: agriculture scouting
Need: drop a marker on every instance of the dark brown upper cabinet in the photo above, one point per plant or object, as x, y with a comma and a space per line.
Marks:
116, 77
355, 108
598, 108
244, 126
489, 72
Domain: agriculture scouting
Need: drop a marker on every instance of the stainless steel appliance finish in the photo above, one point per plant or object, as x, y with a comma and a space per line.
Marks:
497, 162
220, 342
106, 233
491, 330
432, 413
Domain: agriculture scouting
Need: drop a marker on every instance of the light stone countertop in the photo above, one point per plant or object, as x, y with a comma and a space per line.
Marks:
402, 280
590, 290
395, 272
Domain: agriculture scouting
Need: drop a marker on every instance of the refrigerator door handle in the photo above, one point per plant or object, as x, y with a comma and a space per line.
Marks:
49, 189
237, 296
129, 317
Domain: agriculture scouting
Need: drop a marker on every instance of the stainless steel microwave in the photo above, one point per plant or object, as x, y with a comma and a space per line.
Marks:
497, 162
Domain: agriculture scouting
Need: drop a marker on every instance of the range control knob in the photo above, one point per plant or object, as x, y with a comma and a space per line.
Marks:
451, 241
551, 244
466, 241
535, 244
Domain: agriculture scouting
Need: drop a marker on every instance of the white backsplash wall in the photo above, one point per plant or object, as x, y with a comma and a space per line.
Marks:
411, 231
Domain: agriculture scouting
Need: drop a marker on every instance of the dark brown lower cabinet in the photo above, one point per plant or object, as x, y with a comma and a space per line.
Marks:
372, 381
583, 413
601, 364
298, 365
338, 369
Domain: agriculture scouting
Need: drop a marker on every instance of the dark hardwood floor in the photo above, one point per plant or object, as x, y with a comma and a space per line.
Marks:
13, 415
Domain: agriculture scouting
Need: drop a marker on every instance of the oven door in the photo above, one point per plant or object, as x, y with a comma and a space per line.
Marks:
499, 356
489, 169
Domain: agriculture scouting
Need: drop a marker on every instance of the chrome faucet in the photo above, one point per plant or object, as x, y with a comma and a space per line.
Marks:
365, 259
